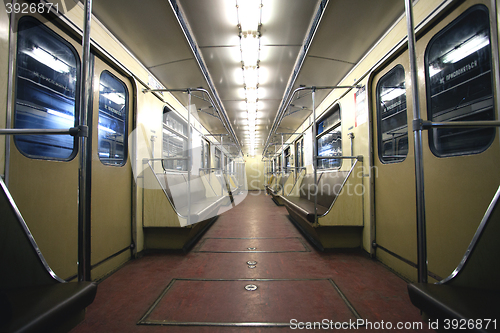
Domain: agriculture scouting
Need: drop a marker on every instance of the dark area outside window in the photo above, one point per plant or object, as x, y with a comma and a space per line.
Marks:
46, 90
217, 158
299, 148
392, 121
459, 83
113, 114
329, 139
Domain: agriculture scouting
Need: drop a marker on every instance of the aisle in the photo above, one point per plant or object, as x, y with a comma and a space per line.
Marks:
206, 287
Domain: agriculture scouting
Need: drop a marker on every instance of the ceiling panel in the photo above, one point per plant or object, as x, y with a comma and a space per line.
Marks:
148, 30
346, 33
285, 22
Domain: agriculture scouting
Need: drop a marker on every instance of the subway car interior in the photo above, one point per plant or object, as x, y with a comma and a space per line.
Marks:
249, 165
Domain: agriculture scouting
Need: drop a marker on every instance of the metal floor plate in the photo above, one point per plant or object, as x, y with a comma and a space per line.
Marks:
273, 303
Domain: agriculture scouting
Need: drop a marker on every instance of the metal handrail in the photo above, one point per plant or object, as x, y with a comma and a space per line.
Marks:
425, 124
332, 157
295, 183
221, 115
164, 191
285, 105
341, 188
73, 131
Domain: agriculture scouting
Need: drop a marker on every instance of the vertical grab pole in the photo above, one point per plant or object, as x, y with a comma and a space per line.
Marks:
315, 156
84, 179
417, 135
189, 157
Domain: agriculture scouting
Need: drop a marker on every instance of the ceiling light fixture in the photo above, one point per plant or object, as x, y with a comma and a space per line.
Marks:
249, 13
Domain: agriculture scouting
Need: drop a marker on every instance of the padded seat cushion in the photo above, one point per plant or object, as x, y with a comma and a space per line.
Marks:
39, 308
443, 301
329, 186
304, 207
202, 209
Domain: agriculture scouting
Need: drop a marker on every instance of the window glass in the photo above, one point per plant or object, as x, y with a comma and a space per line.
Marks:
287, 159
46, 89
217, 158
392, 118
300, 153
205, 154
329, 139
113, 115
174, 142
459, 83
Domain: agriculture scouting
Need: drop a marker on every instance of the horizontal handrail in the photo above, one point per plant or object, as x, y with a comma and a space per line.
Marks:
218, 108
73, 131
419, 124
331, 157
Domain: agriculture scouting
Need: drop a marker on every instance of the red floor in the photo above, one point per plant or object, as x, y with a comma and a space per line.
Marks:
204, 290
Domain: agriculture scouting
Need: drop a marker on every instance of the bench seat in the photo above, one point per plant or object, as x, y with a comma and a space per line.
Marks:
304, 207
44, 308
472, 291
461, 303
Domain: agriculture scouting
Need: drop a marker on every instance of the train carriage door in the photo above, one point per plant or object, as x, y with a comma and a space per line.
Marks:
394, 175
460, 164
43, 176
111, 210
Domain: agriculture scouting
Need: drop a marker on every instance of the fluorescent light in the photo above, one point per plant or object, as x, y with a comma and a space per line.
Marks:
251, 77
250, 45
61, 115
48, 59
433, 70
114, 97
466, 48
105, 129
249, 14
393, 94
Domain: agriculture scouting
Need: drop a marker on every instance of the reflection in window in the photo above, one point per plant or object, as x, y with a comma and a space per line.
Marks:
175, 147
205, 154
299, 148
46, 85
287, 160
112, 126
217, 158
391, 116
459, 83
329, 139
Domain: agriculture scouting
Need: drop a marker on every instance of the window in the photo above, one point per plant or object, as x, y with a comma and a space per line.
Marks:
113, 119
48, 69
174, 142
287, 159
329, 138
217, 158
392, 121
458, 74
299, 148
205, 154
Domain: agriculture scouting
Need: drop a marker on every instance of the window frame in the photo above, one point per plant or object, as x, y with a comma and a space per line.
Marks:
299, 152
167, 112
76, 121
126, 121
451, 25
338, 125
380, 142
